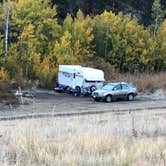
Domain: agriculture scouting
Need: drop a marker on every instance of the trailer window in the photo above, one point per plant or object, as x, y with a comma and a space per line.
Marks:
66, 74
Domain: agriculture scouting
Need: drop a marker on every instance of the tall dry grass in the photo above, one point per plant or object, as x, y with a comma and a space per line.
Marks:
143, 81
89, 140
88, 149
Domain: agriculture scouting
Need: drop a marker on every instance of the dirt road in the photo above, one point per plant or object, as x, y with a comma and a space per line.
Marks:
50, 103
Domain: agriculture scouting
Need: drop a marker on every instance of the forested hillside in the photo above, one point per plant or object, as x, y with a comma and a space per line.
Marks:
140, 8
37, 36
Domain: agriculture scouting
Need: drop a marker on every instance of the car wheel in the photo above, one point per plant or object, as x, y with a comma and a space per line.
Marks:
108, 98
130, 97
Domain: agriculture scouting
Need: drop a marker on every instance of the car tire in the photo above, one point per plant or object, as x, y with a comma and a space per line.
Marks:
108, 99
130, 97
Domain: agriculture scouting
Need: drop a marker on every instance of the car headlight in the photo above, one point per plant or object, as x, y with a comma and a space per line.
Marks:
102, 93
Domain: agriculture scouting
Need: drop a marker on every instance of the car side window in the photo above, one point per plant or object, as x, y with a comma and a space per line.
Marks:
117, 87
125, 86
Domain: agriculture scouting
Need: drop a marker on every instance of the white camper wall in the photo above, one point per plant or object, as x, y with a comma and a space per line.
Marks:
69, 68
91, 74
75, 75
66, 75
65, 79
79, 80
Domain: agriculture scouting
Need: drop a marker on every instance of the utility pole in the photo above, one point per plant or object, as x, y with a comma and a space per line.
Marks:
7, 28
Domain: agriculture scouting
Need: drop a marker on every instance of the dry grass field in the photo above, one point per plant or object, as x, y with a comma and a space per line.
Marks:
121, 139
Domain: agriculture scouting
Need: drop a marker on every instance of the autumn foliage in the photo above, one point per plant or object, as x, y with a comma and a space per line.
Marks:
38, 43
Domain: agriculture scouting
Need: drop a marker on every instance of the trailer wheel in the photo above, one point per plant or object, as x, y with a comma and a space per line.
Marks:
93, 88
78, 91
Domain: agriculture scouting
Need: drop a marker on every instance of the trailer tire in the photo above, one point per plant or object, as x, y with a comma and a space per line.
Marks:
93, 88
78, 91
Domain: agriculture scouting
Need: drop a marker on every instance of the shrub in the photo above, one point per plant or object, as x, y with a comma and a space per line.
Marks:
4, 77
145, 82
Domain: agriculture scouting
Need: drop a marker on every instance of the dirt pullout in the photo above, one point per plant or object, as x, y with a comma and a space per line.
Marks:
8, 99
49, 103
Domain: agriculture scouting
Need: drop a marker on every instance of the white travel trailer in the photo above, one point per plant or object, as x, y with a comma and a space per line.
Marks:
79, 79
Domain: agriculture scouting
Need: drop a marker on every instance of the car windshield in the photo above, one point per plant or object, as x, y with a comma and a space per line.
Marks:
108, 87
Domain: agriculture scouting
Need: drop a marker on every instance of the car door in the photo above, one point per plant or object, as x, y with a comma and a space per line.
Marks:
125, 90
117, 91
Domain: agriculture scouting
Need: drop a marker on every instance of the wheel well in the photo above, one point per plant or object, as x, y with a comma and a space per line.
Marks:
78, 90
131, 94
108, 95
77, 87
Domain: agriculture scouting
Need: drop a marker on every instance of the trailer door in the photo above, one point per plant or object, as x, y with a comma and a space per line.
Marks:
79, 79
